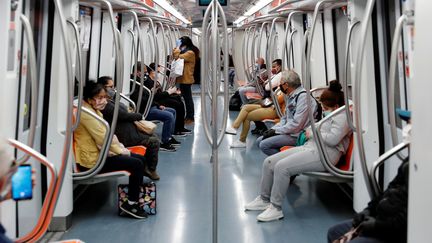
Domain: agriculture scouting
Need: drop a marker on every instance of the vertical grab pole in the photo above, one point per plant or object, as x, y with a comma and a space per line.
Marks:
34, 85
269, 73
357, 96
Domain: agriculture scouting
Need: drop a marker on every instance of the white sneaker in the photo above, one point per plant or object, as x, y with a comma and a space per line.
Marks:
231, 130
238, 144
257, 204
270, 214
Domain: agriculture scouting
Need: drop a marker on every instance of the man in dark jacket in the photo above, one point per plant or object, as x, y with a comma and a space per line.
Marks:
127, 132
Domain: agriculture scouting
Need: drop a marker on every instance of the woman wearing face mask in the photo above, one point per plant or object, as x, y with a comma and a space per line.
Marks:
88, 139
278, 168
185, 51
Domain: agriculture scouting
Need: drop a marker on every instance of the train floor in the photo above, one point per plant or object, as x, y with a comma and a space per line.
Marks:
184, 201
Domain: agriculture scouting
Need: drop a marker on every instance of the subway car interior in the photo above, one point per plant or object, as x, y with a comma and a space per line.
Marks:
198, 121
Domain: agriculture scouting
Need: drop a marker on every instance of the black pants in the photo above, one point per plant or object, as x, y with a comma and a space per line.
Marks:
133, 164
176, 103
186, 90
152, 143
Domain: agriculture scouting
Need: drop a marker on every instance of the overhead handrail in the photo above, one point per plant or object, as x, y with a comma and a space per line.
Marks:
357, 95
141, 89
81, 78
344, 76
100, 162
303, 56
282, 5
377, 190
244, 54
143, 4
212, 137
252, 51
131, 102
404, 19
43, 220
165, 77
317, 134
289, 32
268, 61
263, 25
34, 84
288, 50
134, 58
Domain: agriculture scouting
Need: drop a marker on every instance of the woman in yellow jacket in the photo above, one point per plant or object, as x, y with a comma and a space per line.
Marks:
88, 139
185, 51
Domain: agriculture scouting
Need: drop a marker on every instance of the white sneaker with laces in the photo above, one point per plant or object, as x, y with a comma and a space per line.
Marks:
270, 214
257, 204
231, 130
238, 144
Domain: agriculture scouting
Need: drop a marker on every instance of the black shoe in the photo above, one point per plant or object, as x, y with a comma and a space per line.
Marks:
186, 131
179, 134
133, 210
167, 147
255, 131
174, 142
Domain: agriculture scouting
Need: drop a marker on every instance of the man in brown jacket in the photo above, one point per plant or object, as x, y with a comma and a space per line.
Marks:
184, 51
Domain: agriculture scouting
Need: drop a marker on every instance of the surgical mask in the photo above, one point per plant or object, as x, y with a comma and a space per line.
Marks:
100, 104
274, 71
326, 113
178, 43
183, 48
111, 92
406, 133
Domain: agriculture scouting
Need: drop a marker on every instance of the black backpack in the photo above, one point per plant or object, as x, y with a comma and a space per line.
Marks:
235, 102
318, 115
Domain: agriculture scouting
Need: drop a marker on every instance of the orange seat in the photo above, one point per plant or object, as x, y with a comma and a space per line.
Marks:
253, 96
286, 148
141, 150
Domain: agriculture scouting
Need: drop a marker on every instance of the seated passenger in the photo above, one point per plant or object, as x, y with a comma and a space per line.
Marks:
126, 130
296, 117
251, 85
385, 218
252, 112
170, 99
88, 139
278, 168
157, 112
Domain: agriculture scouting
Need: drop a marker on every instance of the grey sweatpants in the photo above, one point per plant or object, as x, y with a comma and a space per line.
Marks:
278, 168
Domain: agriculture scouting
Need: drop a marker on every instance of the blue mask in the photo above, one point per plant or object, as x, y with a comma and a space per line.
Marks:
178, 43
326, 113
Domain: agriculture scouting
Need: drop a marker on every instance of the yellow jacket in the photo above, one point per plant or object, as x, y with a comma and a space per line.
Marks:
88, 139
189, 66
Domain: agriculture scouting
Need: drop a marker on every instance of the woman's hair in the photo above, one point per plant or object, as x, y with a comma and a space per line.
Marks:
92, 89
186, 41
333, 95
104, 80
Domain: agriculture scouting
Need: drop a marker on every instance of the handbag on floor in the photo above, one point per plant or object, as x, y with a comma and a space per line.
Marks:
348, 236
147, 127
147, 197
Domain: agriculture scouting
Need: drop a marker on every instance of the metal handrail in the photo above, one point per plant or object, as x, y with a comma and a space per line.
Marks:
165, 79
377, 190
131, 102
134, 57
100, 162
344, 76
81, 78
392, 80
357, 92
316, 133
269, 73
303, 56
34, 84
43, 221
244, 55
282, 5
260, 39
142, 88
289, 32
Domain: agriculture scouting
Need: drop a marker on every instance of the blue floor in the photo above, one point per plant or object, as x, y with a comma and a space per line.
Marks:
184, 201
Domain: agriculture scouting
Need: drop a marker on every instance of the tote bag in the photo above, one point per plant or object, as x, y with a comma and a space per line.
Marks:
177, 67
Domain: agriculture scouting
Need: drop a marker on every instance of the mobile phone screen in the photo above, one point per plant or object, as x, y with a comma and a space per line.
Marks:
22, 183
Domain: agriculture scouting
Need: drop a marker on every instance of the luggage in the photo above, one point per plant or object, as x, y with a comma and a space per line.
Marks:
235, 102
147, 197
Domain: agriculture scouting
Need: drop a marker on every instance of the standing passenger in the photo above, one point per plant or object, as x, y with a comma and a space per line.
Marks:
185, 52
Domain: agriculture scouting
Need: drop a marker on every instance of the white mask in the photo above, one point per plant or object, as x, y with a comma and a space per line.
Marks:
100, 104
406, 133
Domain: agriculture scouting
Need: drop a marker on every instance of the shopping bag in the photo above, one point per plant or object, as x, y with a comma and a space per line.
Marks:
147, 197
177, 67
147, 127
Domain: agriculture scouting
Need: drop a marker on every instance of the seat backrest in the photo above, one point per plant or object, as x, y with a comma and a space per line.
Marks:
345, 160
75, 166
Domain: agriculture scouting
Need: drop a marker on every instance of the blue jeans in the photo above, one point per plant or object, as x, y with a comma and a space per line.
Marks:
340, 229
272, 145
167, 116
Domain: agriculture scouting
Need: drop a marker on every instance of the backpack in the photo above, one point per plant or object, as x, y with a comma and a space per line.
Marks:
235, 102
318, 115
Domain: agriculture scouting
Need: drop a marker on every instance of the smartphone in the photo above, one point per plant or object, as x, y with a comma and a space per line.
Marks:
22, 188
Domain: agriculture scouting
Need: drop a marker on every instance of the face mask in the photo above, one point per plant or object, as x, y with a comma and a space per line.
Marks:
182, 48
178, 43
326, 113
285, 91
406, 133
100, 104
111, 92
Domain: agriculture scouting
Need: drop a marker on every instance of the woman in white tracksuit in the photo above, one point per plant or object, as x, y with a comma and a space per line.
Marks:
278, 168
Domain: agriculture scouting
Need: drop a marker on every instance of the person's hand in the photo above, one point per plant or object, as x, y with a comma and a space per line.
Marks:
269, 133
360, 217
162, 107
368, 225
178, 92
126, 152
172, 90
308, 133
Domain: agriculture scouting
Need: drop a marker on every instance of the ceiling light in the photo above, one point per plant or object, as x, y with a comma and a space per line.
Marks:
256, 7
165, 5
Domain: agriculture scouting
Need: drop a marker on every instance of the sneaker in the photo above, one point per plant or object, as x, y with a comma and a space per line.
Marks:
238, 144
174, 142
167, 147
186, 131
257, 204
270, 214
230, 130
133, 210
179, 134
151, 174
